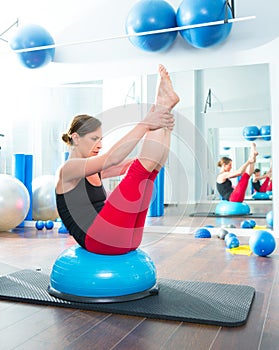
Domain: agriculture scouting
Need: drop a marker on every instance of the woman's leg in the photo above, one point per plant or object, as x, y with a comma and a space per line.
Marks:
264, 185
119, 226
269, 187
112, 230
238, 193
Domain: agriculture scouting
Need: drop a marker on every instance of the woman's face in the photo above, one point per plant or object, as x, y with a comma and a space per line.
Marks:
90, 144
228, 167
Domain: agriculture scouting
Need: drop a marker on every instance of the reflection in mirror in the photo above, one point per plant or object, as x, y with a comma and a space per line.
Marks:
240, 99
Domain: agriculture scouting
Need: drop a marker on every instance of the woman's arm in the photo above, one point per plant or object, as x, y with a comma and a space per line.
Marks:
117, 170
76, 168
232, 174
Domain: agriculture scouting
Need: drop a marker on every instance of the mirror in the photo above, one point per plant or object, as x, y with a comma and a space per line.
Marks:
243, 99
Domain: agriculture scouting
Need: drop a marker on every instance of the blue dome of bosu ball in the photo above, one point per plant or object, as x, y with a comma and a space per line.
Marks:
81, 276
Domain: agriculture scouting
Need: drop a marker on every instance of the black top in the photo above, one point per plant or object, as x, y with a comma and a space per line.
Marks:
256, 185
225, 189
79, 207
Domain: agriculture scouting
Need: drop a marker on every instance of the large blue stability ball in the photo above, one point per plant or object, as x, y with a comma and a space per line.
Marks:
260, 196
203, 11
265, 132
79, 275
227, 208
149, 15
262, 243
32, 36
251, 132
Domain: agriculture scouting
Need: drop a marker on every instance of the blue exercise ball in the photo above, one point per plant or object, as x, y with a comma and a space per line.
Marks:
32, 36
227, 208
269, 218
252, 223
79, 275
203, 11
49, 224
149, 15
251, 132
232, 242
260, 196
265, 132
262, 243
229, 236
245, 224
202, 233
39, 225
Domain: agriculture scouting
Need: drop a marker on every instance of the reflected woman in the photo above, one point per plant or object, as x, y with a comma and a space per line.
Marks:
224, 184
266, 185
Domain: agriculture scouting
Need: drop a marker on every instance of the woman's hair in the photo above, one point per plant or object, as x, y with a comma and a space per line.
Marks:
81, 124
257, 171
223, 160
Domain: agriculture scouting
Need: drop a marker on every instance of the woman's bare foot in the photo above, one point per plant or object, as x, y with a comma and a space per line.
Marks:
166, 95
253, 152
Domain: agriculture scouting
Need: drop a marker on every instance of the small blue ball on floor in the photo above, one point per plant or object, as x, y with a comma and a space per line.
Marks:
228, 236
49, 224
40, 225
262, 243
245, 224
232, 242
252, 223
202, 233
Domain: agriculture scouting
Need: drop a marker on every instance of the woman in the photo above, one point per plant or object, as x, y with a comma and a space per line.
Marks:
266, 185
224, 184
115, 225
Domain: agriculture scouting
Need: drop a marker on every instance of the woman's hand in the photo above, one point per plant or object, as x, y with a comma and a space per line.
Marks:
158, 118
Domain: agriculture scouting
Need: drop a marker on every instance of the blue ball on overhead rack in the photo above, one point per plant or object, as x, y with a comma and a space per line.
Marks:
265, 132
251, 132
33, 36
200, 11
149, 15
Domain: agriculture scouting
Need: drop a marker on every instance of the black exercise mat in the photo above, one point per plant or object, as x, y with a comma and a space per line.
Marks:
195, 302
212, 214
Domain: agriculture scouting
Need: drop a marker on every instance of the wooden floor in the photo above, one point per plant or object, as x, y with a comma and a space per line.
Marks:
176, 256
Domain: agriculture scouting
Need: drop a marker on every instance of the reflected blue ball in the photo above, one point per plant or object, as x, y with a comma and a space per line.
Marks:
265, 132
251, 132
269, 218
